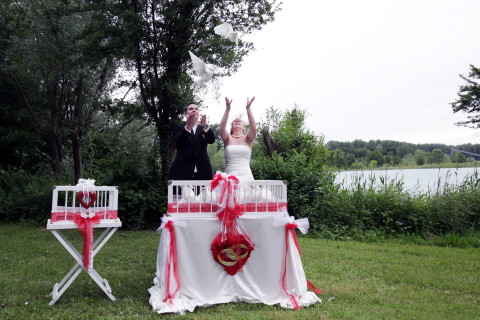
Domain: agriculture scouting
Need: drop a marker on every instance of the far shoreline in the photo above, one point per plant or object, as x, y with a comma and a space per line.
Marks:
445, 165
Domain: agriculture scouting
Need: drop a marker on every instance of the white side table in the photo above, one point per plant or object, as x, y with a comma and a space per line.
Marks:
110, 226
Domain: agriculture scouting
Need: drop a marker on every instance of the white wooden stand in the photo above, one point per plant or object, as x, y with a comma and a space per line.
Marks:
111, 226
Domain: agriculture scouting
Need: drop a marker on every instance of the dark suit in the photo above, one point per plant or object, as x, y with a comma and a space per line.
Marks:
191, 152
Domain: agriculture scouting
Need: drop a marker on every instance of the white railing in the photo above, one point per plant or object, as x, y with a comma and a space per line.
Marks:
196, 196
65, 204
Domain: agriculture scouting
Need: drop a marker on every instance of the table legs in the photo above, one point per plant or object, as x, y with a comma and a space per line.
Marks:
60, 287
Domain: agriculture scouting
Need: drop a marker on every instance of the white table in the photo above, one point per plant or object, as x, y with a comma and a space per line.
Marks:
204, 282
110, 226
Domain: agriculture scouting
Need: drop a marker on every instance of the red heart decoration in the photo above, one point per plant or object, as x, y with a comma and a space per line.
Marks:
92, 196
232, 253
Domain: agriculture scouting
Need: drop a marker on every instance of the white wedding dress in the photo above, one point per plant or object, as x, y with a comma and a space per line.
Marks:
237, 161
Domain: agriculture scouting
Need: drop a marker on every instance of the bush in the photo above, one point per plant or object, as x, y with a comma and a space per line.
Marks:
133, 166
309, 187
389, 209
26, 196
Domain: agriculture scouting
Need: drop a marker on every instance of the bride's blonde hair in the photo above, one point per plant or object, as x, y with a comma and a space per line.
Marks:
244, 129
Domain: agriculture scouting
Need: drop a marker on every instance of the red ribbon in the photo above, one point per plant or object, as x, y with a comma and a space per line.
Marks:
85, 228
172, 262
227, 196
230, 210
228, 213
290, 229
313, 288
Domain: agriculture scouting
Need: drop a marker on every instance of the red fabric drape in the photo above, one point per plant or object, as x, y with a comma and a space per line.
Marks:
290, 230
172, 262
85, 228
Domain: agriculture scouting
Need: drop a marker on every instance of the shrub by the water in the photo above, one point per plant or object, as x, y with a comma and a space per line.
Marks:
389, 209
368, 207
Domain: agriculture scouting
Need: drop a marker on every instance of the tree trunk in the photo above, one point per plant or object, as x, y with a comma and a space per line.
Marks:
77, 130
53, 151
77, 157
51, 134
267, 140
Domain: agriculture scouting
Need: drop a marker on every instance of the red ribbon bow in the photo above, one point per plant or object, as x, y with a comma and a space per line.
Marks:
85, 228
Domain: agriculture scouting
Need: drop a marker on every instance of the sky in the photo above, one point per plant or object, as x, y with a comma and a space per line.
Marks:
371, 69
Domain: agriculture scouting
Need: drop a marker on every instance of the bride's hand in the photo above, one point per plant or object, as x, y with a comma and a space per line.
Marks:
228, 103
249, 102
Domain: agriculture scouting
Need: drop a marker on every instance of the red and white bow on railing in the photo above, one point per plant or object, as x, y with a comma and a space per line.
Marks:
232, 246
228, 184
228, 207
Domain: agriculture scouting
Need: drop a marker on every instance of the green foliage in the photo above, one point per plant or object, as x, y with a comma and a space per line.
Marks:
300, 159
377, 157
469, 99
387, 208
129, 159
60, 81
387, 153
20, 144
217, 158
26, 196
436, 156
458, 157
420, 157
155, 40
308, 184
336, 159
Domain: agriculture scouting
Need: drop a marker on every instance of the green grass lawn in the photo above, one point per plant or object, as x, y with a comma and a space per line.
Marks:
360, 280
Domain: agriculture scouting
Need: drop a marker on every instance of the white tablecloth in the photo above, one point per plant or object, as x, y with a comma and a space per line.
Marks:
204, 282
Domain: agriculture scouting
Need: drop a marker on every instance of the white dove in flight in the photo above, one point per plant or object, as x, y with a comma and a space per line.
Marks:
203, 70
226, 30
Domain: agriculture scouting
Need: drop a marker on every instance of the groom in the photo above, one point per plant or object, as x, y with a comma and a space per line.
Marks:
191, 138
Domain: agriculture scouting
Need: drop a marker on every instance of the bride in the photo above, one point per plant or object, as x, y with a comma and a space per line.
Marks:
238, 143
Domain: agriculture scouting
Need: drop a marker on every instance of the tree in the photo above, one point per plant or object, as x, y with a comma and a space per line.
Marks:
336, 158
299, 157
60, 81
420, 157
404, 148
20, 145
458, 157
287, 134
377, 157
436, 156
469, 99
154, 38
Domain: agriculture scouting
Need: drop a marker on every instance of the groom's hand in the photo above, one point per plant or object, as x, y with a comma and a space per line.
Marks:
191, 120
203, 120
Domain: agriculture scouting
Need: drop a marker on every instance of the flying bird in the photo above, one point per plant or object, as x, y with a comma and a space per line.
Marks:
203, 70
226, 30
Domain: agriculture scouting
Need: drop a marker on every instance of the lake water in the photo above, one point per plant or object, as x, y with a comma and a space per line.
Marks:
415, 180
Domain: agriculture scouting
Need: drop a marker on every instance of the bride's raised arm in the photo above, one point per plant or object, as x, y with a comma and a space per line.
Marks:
252, 131
223, 124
